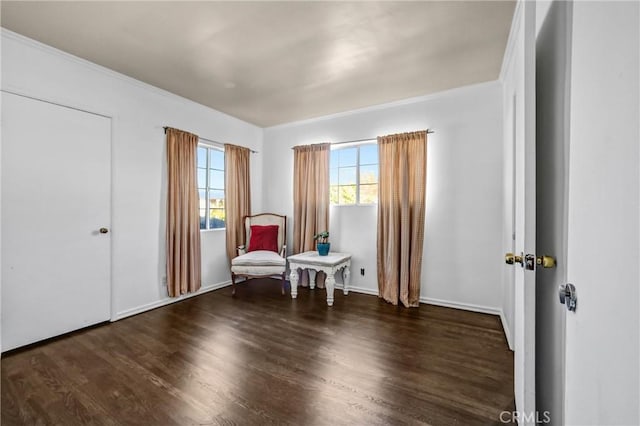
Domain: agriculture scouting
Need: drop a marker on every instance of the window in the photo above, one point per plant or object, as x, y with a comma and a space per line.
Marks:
353, 174
211, 187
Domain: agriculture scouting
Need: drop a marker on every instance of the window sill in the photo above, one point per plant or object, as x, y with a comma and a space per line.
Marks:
354, 205
213, 230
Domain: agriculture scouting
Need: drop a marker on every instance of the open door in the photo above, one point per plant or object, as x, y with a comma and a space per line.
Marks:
602, 344
521, 88
553, 47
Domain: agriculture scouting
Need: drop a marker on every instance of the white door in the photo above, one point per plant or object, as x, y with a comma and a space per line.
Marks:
525, 222
552, 147
602, 354
55, 198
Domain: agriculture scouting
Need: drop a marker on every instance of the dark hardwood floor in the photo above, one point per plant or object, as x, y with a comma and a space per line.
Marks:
262, 358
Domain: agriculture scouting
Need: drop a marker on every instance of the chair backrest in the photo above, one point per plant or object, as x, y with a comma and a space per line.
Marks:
267, 219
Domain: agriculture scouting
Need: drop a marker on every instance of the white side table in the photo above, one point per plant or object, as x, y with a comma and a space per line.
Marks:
313, 262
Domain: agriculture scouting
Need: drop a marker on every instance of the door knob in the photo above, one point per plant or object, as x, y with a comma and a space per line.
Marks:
511, 258
104, 230
568, 296
546, 261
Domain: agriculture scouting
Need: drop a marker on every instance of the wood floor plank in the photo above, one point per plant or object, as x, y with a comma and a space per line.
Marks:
262, 358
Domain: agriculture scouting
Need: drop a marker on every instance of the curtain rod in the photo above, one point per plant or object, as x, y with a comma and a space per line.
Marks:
429, 131
209, 140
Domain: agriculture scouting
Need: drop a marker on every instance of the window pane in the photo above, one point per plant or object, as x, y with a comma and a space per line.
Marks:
333, 194
333, 176
334, 158
369, 154
202, 157
216, 179
368, 174
202, 178
203, 218
216, 218
347, 194
369, 194
347, 176
202, 194
215, 201
348, 156
217, 159
216, 193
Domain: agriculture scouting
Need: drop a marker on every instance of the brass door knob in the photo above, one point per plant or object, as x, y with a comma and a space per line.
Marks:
104, 230
511, 258
546, 261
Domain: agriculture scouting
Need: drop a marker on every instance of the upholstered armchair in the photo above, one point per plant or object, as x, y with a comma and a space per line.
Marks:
264, 253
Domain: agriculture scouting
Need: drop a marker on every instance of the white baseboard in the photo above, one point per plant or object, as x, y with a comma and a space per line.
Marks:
507, 331
460, 305
167, 301
437, 302
363, 290
474, 308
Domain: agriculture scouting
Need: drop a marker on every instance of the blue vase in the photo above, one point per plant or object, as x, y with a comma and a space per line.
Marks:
323, 248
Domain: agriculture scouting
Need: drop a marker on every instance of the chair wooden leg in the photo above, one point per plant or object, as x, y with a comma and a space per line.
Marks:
283, 276
233, 284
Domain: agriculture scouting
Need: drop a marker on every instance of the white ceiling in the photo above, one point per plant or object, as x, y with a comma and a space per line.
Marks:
276, 62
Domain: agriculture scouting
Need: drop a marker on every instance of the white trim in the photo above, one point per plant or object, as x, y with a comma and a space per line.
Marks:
511, 41
167, 301
340, 145
407, 101
507, 331
437, 302
213, 230
362, 290
210, 144
460, 305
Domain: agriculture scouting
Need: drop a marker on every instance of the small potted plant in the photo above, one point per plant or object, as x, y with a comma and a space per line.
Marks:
323, 242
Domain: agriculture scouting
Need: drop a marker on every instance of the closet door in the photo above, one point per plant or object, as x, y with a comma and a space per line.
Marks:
56, 211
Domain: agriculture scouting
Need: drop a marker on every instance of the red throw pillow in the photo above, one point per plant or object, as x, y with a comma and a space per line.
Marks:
264, 238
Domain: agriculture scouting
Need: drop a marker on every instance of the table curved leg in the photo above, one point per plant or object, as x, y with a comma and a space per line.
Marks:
346, 279
330, 284
293, 279
312, 278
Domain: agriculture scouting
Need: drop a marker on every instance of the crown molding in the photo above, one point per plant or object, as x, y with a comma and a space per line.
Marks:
510, 50
408, 101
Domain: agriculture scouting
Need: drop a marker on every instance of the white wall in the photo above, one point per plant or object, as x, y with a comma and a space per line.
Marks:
602, 337
138, 112
462, 249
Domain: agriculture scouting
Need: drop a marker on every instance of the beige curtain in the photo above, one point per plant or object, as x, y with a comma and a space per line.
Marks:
401, 207
183, 221
237, 202
310, 198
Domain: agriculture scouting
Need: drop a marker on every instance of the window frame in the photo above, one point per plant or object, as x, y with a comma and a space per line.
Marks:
208, 188
358, 145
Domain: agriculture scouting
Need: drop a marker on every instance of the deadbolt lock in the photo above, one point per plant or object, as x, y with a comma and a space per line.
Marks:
546, 261
530, 262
